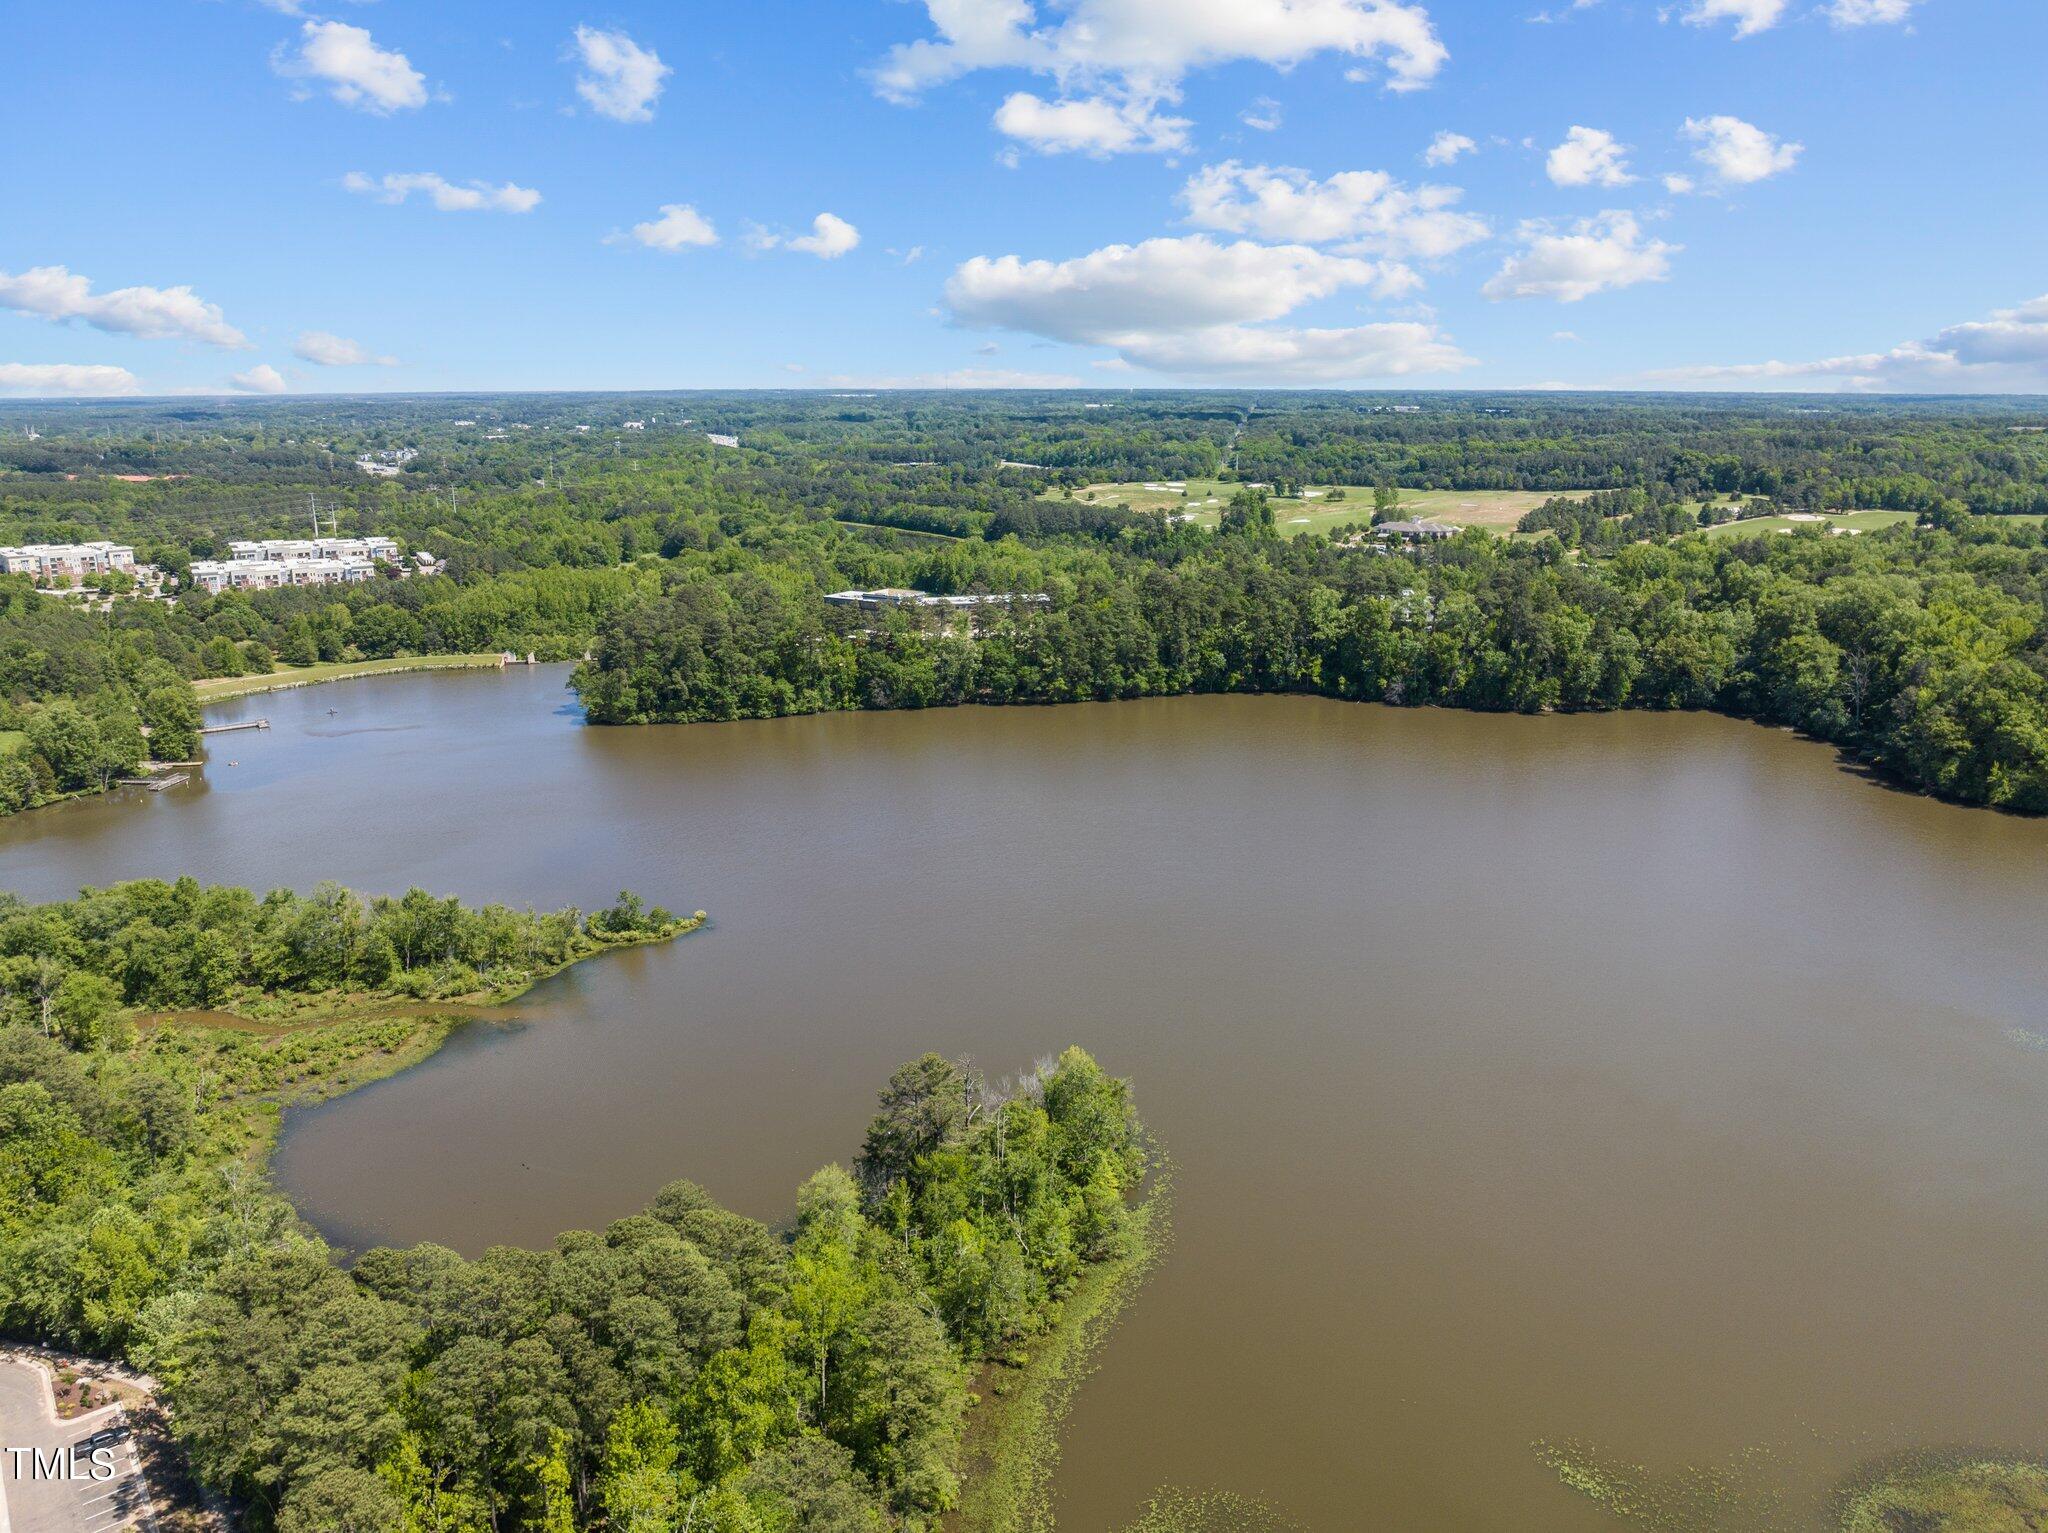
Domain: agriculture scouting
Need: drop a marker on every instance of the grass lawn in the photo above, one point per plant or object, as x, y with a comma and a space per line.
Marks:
2024, 520
1202, 502
217, 688
12, 740
1851, 521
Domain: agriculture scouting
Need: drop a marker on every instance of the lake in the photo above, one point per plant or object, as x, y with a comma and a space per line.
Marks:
1644, 1082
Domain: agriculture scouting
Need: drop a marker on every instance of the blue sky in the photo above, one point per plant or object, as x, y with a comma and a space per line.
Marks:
331, 195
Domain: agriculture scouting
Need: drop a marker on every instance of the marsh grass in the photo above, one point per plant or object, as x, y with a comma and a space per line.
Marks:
1976, 1496
1012, 1444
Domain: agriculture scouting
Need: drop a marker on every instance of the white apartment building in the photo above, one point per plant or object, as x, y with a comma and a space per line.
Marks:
67, 561
239, 574
377, 550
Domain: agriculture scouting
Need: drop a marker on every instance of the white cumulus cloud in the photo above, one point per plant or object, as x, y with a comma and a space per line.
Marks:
680, 227
324, 349
1866, 13
1575, 261
1750, 16
1093, 125
1339, 355
1446, 148
260, 379
830, 238
446, 195
1367, 209
2006, 353
1197, 307
620, 79
1137, 52
38, 380
152, 313
355, 71
1589, 157
1739, 153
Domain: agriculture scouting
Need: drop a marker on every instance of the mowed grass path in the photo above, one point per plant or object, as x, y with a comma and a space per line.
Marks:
217, 688
1204, 499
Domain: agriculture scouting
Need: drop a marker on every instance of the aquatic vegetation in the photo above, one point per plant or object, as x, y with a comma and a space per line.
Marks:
1983, 1497
1181, 1511
1013, 1440
1745, 1494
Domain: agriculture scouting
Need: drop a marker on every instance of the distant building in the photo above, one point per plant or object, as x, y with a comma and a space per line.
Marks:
387, 463
73, 562
1415, 532
376, 549
896, 596
216, 575
273, 562
720, 439
636, 426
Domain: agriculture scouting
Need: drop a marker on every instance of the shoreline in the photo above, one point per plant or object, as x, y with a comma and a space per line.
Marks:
221, 689
1870, 771
1011, 1448
427, 1025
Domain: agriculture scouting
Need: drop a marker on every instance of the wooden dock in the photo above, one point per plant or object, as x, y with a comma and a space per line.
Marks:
155, 784
228, 729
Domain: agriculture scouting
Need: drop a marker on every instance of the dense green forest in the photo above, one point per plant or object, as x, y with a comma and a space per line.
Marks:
691, 571
1924, 653
1834, 450
683, 1367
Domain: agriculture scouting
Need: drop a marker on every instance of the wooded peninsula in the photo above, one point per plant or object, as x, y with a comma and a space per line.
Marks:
685, 1367
893, 1355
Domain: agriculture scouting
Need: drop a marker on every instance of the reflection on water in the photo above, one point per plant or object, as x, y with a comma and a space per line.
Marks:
1642, 1081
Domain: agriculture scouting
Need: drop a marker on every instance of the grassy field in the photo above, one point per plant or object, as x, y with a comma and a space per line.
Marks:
915, 533
1851, 521
218, 688
1202, 502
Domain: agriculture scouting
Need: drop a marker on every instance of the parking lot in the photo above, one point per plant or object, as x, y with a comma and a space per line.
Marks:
51, 1478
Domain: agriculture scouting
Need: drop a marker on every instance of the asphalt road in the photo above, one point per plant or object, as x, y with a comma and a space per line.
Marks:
36, 1500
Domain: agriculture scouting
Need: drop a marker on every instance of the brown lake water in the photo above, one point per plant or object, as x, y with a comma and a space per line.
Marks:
1647, 1082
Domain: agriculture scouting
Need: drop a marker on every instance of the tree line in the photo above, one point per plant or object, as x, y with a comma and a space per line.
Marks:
86, 696
1925, 654
685, 1367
